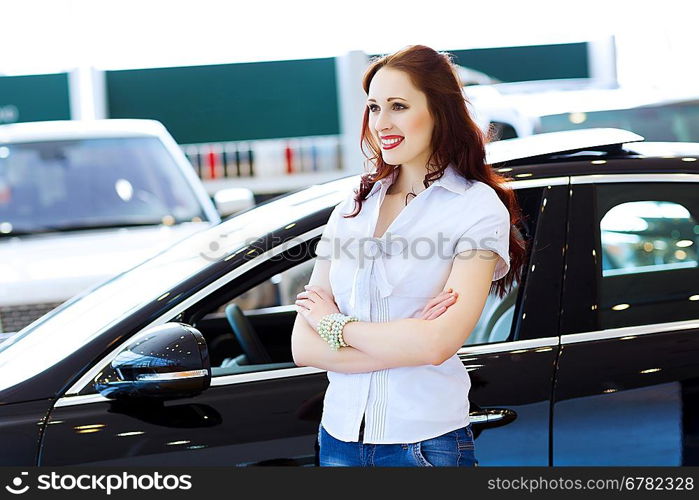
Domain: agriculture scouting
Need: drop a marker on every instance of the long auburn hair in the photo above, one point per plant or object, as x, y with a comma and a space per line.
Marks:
456, 139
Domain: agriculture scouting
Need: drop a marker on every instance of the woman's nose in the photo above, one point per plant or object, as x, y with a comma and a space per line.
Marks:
382, 122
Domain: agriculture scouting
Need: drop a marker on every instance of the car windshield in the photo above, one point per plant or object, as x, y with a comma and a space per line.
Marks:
52, 337
89, 183
671, 122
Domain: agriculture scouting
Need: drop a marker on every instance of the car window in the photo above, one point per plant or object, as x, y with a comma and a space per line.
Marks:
279, 290
494, 324
247, 324
499, 320
267, 304
269, 311
648, 236
85, 183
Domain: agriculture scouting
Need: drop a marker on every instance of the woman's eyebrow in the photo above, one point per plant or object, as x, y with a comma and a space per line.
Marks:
389, 99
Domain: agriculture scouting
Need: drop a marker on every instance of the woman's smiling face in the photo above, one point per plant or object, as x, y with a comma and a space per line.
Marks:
399, 118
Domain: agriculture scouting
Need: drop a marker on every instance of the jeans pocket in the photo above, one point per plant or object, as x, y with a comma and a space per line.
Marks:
442, 451
419, 457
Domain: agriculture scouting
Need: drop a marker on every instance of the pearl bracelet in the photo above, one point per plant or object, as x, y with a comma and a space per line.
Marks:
330, 329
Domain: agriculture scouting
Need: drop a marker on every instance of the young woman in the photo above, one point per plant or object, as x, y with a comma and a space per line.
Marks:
431, 219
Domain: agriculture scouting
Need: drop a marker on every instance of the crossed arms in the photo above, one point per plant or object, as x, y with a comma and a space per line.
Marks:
402, 342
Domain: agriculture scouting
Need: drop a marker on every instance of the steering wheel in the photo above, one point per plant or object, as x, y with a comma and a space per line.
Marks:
246, 336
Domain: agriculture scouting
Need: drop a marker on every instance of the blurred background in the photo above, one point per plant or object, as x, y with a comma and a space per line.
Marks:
267, 96
221, 105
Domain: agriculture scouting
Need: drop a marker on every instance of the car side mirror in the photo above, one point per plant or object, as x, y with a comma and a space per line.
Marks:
232, 200
168, 361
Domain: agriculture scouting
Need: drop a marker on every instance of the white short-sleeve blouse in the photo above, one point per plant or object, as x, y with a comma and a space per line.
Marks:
393, 277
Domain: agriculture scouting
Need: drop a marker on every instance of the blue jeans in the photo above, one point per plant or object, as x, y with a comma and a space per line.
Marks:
453, 449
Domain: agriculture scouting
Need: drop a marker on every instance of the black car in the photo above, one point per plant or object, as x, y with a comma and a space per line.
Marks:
590, 360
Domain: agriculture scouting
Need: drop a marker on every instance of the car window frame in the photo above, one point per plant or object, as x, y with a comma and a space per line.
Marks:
578, 323
544, 251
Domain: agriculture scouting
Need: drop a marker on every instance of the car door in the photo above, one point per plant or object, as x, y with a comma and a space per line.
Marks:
253, 414
627, 386
511, 353
240, 420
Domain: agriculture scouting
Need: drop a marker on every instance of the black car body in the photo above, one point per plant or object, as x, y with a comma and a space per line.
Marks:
590, 360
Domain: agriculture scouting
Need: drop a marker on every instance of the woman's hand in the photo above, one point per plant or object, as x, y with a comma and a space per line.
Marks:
315, 303
438, 305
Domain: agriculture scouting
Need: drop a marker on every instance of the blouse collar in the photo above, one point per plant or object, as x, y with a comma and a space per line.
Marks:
450, 180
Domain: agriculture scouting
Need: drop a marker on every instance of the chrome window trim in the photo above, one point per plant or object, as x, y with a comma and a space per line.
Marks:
81, 400
215, 382
628, 331
516, 345
599, 178
242, 378
83, 381
543, 182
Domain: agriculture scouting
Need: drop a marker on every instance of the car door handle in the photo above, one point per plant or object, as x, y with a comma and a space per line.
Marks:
492, 417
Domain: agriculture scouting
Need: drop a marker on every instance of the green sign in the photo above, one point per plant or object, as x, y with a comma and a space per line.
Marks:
34, 98
536, 62
231, 102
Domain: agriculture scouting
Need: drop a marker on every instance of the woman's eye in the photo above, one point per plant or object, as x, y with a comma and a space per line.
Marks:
372, 107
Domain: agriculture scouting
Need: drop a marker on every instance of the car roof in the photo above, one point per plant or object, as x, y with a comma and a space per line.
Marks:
557, 152
554, 143
79, 129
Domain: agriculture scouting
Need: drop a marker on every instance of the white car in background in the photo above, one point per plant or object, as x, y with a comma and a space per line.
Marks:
520, 109
82, 201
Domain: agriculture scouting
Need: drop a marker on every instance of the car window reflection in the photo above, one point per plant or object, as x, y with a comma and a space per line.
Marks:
647, 236
649, 266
